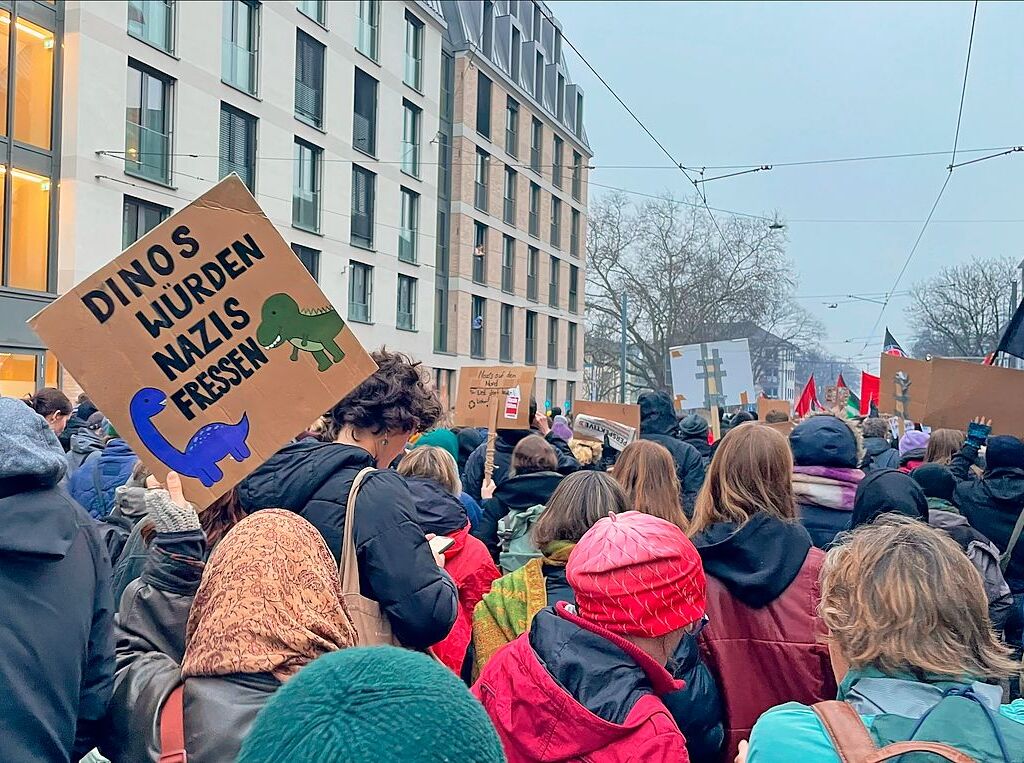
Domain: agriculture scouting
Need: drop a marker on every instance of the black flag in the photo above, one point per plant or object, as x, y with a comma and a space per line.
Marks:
1012, 342
891, 346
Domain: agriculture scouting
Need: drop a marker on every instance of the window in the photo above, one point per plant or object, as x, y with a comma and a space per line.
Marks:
510, 196
240, 48
139, 218
306, 189
574, 233
22, 374
512, 127
536, 140
505, 347
238, 145
574, 286
148, 133
483, 105
532, 266
535, 210
515, 52
483, 167
411, 115
550, 392
315, 9
364, 117
152, 21
577, 174
368, 27
364, 187
413, 51
560, 98
441, 320
552, 344
32, 80
555, 282
478, 315
488, 30
570, 355
538, 78
556, 55
29, 221
508, 264
556, 222
310, 259
360, 292
556, 162
570, 394
579, 115
479, 253
407, 234
309, 79
537, 18
530, 356
406, 303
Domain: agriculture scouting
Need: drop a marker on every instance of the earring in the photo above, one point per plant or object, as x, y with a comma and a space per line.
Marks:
384, 442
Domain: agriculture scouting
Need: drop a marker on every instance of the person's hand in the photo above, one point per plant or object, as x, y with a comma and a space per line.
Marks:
169, 509
438, 558
541, 422
978, 431
741, 756
487, 489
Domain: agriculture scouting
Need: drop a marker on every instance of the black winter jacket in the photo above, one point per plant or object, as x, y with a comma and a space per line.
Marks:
396, 567
515, 493
879, 454
992, 505
658, 424
506, 442
700, 442
56, 626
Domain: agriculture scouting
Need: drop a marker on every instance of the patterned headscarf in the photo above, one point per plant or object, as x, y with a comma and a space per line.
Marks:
270, 601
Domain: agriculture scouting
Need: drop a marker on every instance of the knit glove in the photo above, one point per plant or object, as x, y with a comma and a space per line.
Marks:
169, 517
977, 434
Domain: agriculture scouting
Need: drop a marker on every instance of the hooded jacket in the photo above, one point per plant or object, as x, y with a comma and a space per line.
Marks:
505, 443
514, 494
95, 483
56, 627
84, 443
658, 424
569, 690
879, 454
888, 491
763, 594
992, 505
396, 567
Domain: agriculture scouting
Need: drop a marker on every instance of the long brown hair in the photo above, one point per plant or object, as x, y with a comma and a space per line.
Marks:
577, 503
751, 472
647, 474
533, 454
943, 445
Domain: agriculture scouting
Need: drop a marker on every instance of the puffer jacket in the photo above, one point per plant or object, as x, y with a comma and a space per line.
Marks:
514, 494
571, 691
218, 710
95, 482
762, 601
505, 443
396, 566
658, 424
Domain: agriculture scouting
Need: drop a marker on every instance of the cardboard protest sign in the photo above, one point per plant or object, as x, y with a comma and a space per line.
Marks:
711, 374
766, 405
623, 413
511, 386
971, 389
785, 428
206, 343
597, 429
904, 387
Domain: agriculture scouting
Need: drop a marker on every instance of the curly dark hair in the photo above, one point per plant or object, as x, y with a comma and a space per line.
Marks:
395, 398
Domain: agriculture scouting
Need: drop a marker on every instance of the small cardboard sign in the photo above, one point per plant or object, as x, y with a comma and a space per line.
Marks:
623, 413
904, 387
509, 386
766, 405
206, 343
971, 389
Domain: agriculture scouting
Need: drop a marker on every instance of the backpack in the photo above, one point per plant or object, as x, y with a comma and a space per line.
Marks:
515, 545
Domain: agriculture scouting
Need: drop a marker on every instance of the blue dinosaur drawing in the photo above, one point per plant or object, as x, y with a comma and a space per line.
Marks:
211, 444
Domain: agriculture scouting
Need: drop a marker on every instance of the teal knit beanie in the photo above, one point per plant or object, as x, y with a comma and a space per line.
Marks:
372, 705
441, 438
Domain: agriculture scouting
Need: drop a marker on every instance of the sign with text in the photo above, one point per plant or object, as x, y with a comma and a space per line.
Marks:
623, 413
509, 386
594, 428
971, 389
904, 387
206, 343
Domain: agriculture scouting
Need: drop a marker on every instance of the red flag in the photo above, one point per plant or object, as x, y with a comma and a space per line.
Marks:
839, 380
869, 389
808, 400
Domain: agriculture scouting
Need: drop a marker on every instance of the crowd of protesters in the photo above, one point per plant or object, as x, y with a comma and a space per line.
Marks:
808, 592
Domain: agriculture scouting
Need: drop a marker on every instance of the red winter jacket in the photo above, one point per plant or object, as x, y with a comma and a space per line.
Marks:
471, 567
539, 721
772, 649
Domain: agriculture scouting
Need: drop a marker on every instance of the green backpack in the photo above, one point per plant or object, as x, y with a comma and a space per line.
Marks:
516, 545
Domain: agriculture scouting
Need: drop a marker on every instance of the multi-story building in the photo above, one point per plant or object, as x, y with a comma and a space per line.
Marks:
514, 204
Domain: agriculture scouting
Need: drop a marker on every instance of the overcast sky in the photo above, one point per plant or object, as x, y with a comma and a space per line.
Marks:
723, 83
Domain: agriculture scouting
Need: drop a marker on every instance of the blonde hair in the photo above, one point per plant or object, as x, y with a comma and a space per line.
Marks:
901, 596
751, 473
647, 474
433, 463
943, 445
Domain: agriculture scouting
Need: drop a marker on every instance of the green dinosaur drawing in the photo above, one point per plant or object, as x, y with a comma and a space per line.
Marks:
313, 331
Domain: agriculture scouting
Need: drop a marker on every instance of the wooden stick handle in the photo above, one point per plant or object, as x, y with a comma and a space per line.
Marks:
492, 436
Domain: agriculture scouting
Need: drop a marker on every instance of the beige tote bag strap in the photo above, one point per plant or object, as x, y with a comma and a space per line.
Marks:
348, 566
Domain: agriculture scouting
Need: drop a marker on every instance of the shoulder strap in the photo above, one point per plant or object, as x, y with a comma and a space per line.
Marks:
1004, 560
348, 566
172, 727
847, 731
935, 748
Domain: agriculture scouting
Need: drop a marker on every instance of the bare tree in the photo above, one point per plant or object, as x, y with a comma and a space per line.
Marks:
681, 279
961, 311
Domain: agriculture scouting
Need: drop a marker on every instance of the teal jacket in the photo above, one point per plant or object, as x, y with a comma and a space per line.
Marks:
897, 709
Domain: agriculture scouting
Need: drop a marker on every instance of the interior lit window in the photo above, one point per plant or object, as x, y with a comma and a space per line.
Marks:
50, 367
5, 42
33, 88
17, 374
30, 230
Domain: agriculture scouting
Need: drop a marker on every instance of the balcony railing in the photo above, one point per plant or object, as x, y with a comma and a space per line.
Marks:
147, 153
306, 209
238, 66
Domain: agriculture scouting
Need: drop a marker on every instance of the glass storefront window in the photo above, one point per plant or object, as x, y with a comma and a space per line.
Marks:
30, 231
33, 87
18, 374
5, 42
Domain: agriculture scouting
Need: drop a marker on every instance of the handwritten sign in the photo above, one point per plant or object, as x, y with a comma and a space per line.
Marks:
510, 386
623, 413
206, 343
